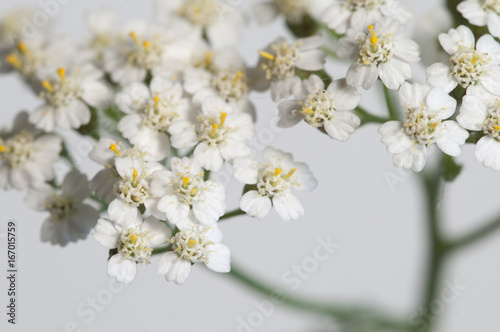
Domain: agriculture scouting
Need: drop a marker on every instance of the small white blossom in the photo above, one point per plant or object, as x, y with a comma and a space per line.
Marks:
481, 112
426, 109
219, 133
481, 13
70, 219
379, 51
328, 108
279, 61
194, 244
470, 66
183, 188
150, 112
273, 179
102, 25
133, 239
68, 95
26, 155
293, 10
358, 14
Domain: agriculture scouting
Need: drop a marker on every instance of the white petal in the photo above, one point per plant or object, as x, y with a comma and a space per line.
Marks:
245, 170
255, 205
440, 101
219, 259
158, 231
473, 113
288, 207
124, 270
361, 75
488, 152
439, 75
394, 137
414, 158
174, 268
106, 233
451, 137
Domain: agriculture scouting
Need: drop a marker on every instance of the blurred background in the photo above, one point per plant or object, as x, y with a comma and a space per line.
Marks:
363, 203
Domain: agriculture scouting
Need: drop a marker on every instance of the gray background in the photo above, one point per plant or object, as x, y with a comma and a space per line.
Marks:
381, 259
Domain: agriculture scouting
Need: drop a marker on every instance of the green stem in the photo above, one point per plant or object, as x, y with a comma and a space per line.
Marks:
367, 117
65, 154
345, 313
476, 235
103, 204
392, 107
233, 213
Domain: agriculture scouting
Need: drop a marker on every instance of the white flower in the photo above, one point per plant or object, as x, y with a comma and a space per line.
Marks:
379, 52
183, 189
224, 75
132, 238
68, 95
194, 244
272, 181
219, 133
134, 185
481, 112
293, 10
70, 219
150, 112
358, 14
481, 13
26, 156
146, 49
102, 23
423, 125
329, 109
219, 22
470, 67
279, 61
427, 29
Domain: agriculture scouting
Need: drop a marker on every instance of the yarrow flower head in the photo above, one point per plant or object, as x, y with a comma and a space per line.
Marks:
481, 112
70, 219
219, 133
150, 112
358, 14
27, 155
184, 189
379, 51
68, 95
470, 66
132, 240
426, 110
328, 108
279, 61
271, 183
481, 13
193, 244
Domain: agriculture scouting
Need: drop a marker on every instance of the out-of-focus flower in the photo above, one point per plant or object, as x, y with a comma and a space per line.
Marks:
26, 155
426, 109
279, 61
379, 50
481, 112
68, 95
183, 189
133, 239
358, 14
273, 179
102, 24
70, 219
481, 13
194, 244
293, 10
470, 66
328, 108
219, 133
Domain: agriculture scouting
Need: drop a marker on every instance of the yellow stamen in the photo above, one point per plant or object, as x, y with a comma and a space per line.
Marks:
3, 148
277, 171
373, 38
133, 238
222, 119
46, 84
113, 148
134, 37
434, 125
208, 57
22, 48
146, 45
62, 74
214, 129
496, 128
267, 55
134, 175
193, 192
307, 110
185, 181
191, 242
239, 74
14, 61
156, 99
290, 173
